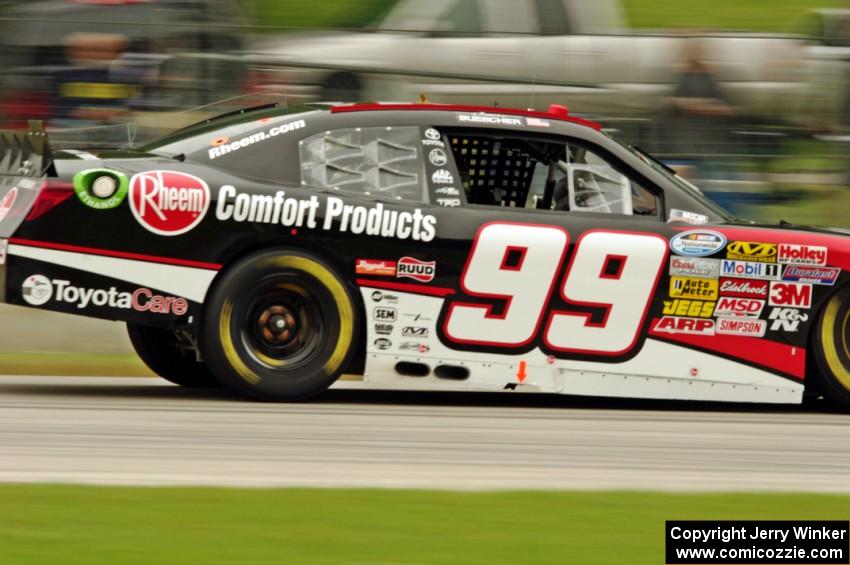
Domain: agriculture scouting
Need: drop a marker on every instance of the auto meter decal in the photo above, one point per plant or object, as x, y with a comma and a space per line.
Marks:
7, 203
168, 202
697, 243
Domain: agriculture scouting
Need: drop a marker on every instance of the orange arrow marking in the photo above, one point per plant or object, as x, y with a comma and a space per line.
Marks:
520, 374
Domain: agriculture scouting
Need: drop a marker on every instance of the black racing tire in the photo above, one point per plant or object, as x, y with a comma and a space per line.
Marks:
831, 348
161, 350
280, 325
341, 87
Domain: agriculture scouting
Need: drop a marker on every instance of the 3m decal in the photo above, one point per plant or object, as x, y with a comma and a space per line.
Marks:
786, 319
223, 146
422, 271
168, 202
695, 267
684, 287
677, 325
8, 202
697, 243
744, 288
790, 294
750, 251
741, 326
812, 275
375, 267
692, 308
730, 306
749, 270
802, 254
515, 268
278, 208
383, 314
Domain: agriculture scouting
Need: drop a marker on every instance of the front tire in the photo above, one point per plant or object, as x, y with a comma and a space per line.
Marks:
831, 344
280, 325
170, 356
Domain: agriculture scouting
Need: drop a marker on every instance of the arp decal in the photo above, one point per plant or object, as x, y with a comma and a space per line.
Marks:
679, 325
812, 255
697, 243
795, 295
701, 289
751, 251
168, 202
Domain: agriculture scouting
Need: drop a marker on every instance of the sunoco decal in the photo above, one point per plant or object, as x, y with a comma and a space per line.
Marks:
697, 243
168, 202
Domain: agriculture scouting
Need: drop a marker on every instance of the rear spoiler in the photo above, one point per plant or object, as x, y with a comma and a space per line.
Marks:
25, 153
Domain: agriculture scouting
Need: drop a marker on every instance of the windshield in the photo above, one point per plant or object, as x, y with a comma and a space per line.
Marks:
671, 175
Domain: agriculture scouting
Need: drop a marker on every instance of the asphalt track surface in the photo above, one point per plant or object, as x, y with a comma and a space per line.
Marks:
145, 431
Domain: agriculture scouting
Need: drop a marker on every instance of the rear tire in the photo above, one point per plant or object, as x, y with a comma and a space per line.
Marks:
831, 345
166, 355
280, 325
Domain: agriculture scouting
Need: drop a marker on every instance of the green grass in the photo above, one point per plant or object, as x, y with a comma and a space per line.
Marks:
758, 15
73, 524
70, 364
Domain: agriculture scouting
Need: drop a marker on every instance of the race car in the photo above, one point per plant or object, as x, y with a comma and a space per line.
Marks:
421, 246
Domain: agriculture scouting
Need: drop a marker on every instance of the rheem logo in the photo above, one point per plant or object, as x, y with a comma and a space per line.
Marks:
168, 202
790, 294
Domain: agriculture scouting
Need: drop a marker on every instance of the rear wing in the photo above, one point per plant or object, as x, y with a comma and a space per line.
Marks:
25, 153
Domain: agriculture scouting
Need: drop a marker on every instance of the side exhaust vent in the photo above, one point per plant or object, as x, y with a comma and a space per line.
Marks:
410, 369
452, 372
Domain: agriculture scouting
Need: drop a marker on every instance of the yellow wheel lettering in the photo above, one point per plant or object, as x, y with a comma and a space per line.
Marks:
229, 349
343, 304
830, 349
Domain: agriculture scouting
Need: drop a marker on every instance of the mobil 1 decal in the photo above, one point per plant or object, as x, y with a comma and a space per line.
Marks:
584, 295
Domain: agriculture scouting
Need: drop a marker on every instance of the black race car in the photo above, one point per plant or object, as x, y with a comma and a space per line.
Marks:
425, 247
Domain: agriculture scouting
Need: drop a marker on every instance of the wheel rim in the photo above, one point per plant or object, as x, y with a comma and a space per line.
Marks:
282, 325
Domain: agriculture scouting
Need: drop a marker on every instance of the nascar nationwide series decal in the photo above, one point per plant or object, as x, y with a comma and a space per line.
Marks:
697, 243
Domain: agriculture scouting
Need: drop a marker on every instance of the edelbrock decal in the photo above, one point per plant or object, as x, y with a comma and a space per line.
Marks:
222, 145
168, 202
697, 243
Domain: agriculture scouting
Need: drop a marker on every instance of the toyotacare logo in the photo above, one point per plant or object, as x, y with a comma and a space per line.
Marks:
422, 271
168, 202
37, 290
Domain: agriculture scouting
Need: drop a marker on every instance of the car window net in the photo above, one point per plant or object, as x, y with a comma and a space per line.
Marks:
374, 161
495, 172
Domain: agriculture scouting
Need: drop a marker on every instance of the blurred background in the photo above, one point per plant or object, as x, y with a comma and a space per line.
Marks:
749, 99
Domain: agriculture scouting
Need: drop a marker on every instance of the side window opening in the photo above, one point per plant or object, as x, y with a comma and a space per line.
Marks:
545, 175
379, 161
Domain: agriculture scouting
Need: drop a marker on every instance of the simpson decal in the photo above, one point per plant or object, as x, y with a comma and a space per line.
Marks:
697, 243
741, 326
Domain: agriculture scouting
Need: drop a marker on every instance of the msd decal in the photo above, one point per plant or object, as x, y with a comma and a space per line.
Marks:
802, 254
743, 288
422, 271
790, 294
727, 306
168, 202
